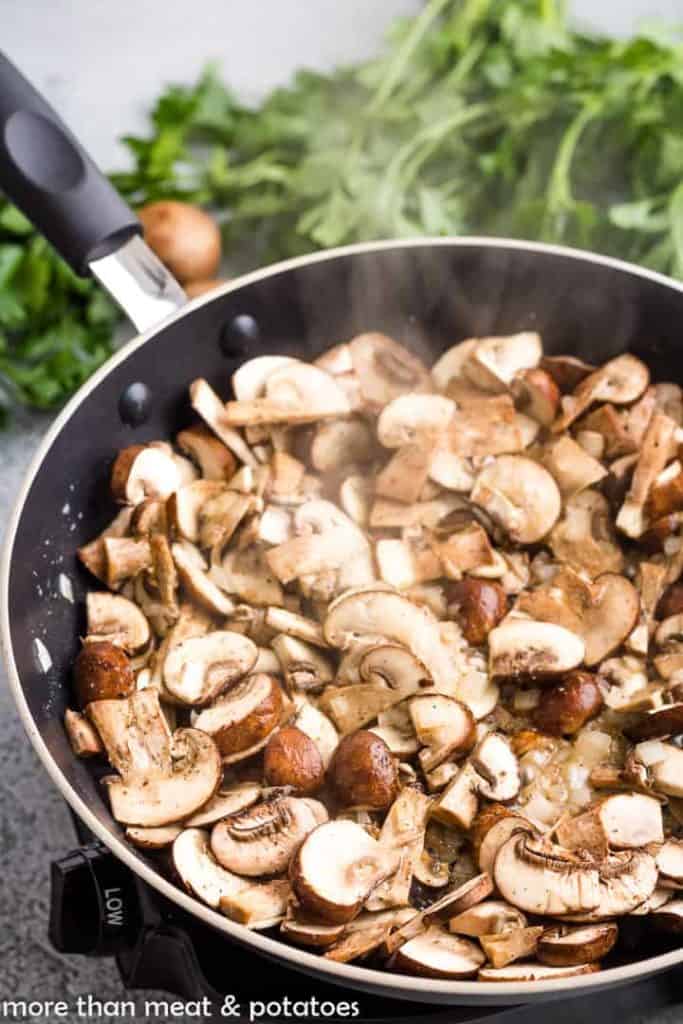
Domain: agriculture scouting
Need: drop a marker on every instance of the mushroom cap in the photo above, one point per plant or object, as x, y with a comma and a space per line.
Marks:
563, 946
521, 495
522, 647
437, 953
444, 725
244, 716
363, 774
199, 872
114, 618
102, 671
335, 869
450, 365
144, 471
414, 419
200, 668
658, 724
215, 461
291, 758
261, 839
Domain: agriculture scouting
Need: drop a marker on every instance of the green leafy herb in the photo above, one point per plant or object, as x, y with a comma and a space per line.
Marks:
480, 116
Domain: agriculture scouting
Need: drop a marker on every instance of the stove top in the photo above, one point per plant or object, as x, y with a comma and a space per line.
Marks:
100, 908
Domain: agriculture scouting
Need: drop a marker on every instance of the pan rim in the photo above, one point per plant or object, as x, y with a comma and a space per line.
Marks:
389, 984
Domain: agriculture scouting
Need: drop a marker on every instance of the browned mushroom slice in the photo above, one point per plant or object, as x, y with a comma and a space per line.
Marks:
511, 945
449, 366
492, 827
622, 821
358, 944
259, 906
385, 369
118, 620
444, 726
336, 868
340, 442
143, 471
666, 493
245, 573
455, 901
497, 767
305, 668
245, 716
281, 620
215, 461
199, 872
197, 670
307, 930
437, 953
670, 861
562, 946
92, 554
153, 838
414, 419
533, 972
489, 918
124, 558
403, 565
522, 647
194, 577
317, 726
566, 371
208, 405
185, 505
658, 724
620, 381
655, 452
573, 468
260, 840
584, 538
520, 495
536, 394
494, 362
669, 918
404, 476
83, 737
225, 803
465, 551
486, 425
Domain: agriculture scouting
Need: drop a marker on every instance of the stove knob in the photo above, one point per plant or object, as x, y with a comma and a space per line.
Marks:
93, 903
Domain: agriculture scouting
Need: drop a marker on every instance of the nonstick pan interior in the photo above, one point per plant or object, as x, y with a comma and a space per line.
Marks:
428, 295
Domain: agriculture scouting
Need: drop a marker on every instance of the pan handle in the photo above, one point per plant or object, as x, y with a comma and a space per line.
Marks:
53, 181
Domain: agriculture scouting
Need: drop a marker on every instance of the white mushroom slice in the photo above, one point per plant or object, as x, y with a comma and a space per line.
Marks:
336, 868
384, 613
144, 471
670, 860
118, 620
626, 880
450, 365
414, 419
620, 381
584, 537
403, 565
306, 930
573, 468
565, 947
458, 804
340, 442
511, 945
259, 906
444, 726
249, 380
497, 835
390, 514
654, 454
540, 878
514, 973
220, 515
669, 917
452, 902
487, 425
659, 898
623, 821
260, 840
395, 727
281, 620
305, 668
243, 718
319, 728
153, 838
494, 362
489, 918
357, 704
186, 503
293, 393
267, 661
208, 405
498, 768
245, 573
520, 495
274, 525
225, 803
403, 829
314, 553
385, 369
124, 558
405, 475
199, 872
467, 550
355, 497
198, 669
438, 954
520, 647
664, 762
192, 571
92, 556
454, 472
83, 737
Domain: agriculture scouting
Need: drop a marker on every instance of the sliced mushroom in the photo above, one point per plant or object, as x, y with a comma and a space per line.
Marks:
403, 565
304, 667
307, 930
355, 496
623, 821
497, 768
492, 917
124, 557
336, 868
245, 716
494, 362
185, 505
493, 826
562, 946
438, 954
521, 647
536, 393
117, 620
281, 620
395, 727
192, 572
245, 573
153, 838
215, 461
358, 944
319, 728
199, 871
249, 380
572, 467
654, 454
385, 369
92, 555
414, 419
543, 879
669, 918
83, 737
670, 861
405, 475
666, 493
208, 405
584, 538
444, 726
458, 804
199, 669
664, 762
340, 442
403, 829
658, 724
260, 840
314, 553
514, 973
143, 471
620, 381
485, 425
520, 495
225, 803
511, 945
465, 551
294, 392
259, 906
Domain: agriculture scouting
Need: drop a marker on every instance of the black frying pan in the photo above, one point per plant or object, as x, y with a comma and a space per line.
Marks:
427, 294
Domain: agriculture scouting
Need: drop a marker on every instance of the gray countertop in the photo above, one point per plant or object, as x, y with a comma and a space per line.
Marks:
101, 62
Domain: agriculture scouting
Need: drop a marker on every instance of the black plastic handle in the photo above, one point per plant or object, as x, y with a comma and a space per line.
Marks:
53, 181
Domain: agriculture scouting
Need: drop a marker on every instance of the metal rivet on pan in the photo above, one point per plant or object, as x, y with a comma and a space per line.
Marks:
238, 334
135, 404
